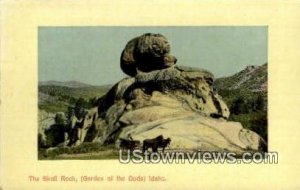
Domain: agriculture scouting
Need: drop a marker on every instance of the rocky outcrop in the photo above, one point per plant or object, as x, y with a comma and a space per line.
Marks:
177, 102
190, 87
52, 128
162, 99
86, 129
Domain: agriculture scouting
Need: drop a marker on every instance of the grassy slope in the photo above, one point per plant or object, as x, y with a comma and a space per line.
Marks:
65, 96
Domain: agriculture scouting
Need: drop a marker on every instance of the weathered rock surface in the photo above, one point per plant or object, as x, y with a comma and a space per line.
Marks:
190, 131
177, 102
51, 129
188, 87
146, 53
87, 129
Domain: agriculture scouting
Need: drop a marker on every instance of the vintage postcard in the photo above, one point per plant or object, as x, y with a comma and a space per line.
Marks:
162, 94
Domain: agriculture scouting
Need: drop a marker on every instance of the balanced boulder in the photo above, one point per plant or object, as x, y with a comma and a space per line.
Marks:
146, 53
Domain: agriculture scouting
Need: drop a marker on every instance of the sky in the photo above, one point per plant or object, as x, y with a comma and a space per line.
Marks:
92, 54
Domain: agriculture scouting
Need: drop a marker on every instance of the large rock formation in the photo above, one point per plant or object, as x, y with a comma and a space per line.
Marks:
163, 99
177, 102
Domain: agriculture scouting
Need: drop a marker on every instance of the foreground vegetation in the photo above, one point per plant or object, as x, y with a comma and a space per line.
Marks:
84, 151
248, 108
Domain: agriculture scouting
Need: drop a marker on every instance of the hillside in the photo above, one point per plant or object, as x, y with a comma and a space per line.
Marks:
253, 78
71, 84
57, 98
245, 93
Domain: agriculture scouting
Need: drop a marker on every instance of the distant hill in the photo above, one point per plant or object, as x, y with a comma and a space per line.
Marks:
71, 84
54, 96
75, 92
253, 78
